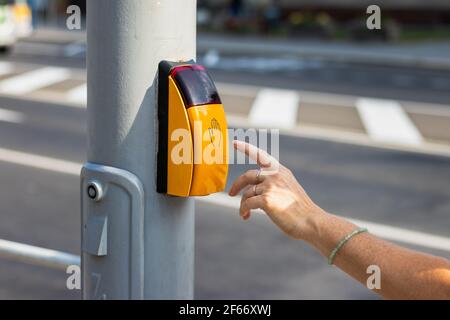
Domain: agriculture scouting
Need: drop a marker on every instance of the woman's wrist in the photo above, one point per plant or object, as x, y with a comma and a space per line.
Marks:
312, 224
324, 230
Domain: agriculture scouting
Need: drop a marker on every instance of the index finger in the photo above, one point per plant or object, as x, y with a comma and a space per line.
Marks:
262, 158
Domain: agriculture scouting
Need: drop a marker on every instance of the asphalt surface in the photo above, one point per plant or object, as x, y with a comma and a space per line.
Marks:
234, 259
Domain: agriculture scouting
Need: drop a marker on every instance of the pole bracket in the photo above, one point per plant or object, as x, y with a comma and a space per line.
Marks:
112, 199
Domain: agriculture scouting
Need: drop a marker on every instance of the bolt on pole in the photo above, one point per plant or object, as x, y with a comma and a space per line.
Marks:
136, 243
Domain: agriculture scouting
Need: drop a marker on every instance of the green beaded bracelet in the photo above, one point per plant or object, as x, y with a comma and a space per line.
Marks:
342, 242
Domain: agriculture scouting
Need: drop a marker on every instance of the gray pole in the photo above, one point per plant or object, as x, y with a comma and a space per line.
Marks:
136, 243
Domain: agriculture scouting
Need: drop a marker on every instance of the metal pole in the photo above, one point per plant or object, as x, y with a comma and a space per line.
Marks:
126, 255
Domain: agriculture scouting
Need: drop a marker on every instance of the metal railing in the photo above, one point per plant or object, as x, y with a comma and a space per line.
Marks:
37, 256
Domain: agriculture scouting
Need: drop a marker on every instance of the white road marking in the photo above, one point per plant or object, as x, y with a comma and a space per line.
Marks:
359, 139
386, 121
6, 68
40, 162
275, 108
221, 199
78, 94
406, 236
34, 80
384, 231
11, 116
332, 99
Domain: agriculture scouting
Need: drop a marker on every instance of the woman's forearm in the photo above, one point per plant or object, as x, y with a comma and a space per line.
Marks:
405, 274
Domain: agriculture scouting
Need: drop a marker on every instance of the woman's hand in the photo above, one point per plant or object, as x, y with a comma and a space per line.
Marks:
275, 190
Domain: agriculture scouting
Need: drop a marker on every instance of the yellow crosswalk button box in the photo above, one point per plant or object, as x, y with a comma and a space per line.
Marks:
192, 140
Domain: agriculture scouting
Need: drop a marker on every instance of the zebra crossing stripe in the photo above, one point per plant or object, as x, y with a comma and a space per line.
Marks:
33, 80
78, 94
6, 68
11, 116
275, 108
386, 121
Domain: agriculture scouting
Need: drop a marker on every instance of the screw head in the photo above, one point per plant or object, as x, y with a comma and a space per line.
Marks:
94, 191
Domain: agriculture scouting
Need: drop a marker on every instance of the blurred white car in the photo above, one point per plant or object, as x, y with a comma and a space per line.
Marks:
7, 26
15, 22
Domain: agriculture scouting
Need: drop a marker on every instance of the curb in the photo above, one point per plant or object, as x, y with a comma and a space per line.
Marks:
342, 53
333, 53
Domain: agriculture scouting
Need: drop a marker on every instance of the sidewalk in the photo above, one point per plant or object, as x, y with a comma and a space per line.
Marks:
56, 36
423, 55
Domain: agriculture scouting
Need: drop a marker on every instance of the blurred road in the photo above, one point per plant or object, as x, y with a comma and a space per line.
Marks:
348, 69
391, 183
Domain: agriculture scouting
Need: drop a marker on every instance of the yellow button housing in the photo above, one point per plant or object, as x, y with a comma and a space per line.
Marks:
195, 148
